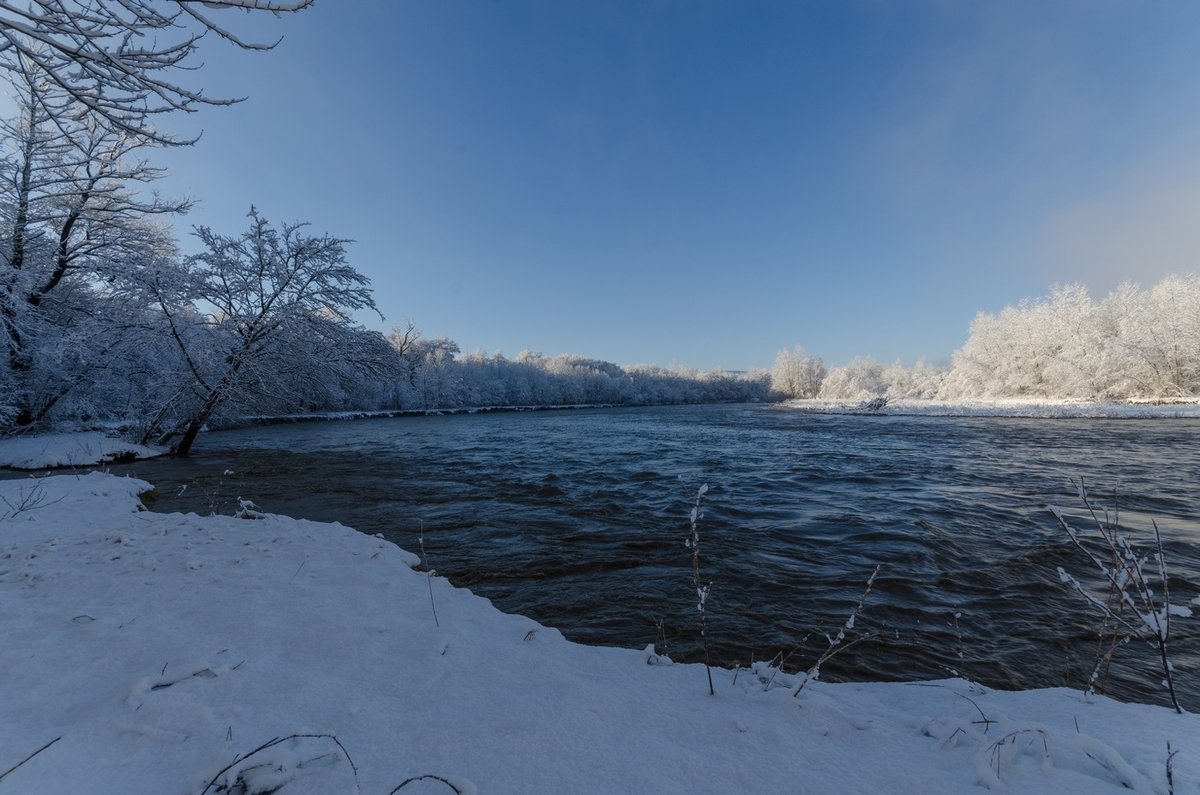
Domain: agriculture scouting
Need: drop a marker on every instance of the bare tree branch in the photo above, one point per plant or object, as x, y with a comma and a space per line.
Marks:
120, 61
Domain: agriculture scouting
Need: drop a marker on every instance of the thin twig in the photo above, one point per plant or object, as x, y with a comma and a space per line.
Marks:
783, 658
35, 753
984, 719
277, 741
408, 781
298, 570
429, 575
836, 644
1171, 768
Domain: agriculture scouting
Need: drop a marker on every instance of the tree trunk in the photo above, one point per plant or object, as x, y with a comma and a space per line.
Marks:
211, 401
193, 429
185, 444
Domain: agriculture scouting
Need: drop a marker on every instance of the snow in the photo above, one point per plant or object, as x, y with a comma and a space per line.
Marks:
76, 449
1007, 407
176, 653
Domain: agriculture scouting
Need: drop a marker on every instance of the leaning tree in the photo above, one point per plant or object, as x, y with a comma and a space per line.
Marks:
263, 313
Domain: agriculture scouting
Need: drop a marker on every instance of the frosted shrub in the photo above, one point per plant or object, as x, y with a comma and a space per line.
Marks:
1131, 605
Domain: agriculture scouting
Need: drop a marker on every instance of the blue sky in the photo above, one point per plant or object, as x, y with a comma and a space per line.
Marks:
706, 183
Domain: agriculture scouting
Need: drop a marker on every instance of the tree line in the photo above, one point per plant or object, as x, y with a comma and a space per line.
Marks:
1134, 344
435, 374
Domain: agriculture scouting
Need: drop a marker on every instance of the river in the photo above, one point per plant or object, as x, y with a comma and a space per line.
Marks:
577, 518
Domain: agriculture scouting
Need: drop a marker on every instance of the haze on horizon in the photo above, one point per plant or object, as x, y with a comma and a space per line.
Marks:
709, 183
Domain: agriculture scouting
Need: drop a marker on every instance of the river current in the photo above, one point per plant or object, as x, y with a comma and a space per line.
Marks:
577, 518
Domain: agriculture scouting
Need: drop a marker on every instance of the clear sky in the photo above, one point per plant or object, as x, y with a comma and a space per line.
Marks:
704, 182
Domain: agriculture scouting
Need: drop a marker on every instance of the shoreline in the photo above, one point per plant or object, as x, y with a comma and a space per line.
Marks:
1016, 408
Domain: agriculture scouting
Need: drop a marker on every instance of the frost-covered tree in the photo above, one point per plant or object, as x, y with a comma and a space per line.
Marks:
103, 355
1163, 333
796, 374
919, 382
430, 376
124, 62
74, 217
1078, 365
1015, 353
264, 314
483, 378
439, 381
859, 380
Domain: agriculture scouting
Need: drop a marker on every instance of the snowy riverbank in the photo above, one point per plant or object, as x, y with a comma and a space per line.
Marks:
154, 650
71, 449
1007, 407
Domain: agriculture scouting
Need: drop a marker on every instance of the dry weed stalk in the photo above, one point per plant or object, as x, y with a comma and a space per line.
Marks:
837, 643
693, 543
27, 500
1130, 604
429, 575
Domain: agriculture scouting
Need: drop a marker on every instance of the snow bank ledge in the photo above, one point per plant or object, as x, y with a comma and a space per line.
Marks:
80, 449
158, 651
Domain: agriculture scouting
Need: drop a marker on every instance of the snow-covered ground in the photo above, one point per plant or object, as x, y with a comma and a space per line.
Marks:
78, 449
156, 652
1005, 407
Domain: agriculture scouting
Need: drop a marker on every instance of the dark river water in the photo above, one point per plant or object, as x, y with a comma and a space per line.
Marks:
578, 519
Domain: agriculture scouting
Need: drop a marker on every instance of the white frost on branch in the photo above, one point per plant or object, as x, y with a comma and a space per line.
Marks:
123, 60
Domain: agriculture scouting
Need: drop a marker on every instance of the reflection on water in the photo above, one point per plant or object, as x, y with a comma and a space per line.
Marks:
577, 518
